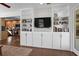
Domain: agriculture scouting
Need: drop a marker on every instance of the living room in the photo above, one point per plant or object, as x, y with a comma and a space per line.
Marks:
44, 29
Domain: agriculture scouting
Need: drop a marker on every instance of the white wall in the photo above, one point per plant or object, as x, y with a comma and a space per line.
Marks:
42, 12
38, 12
9, 13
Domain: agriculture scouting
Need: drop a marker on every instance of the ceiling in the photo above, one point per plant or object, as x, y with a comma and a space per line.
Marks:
17, 6
27, 5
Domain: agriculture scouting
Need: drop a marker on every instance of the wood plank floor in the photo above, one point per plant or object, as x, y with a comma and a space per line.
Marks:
50, 52
15, 41
42, 51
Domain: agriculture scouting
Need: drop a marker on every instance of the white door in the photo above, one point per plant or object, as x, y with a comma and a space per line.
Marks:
29, 38
37, 39
47, 40
65, 42
56, 40
23, 39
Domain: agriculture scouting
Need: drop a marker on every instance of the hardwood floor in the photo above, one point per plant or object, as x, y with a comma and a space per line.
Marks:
0, 50
15, 41
50, 52
41, 51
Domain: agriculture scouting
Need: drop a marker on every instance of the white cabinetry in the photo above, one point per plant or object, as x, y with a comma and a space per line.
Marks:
47, 40
56, 40
42, 39
60, 32
26, 27
26, 39
37, 39
61, 40
29, 39
23, 38
65, 42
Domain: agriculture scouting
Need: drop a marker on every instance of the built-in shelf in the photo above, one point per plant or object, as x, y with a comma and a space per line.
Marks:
27, 25
60, 24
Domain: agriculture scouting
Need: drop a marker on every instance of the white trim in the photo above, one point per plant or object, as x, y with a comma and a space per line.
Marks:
73, 29
76, 52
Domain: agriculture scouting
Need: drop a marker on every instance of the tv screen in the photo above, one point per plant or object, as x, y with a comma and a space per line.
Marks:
44, 22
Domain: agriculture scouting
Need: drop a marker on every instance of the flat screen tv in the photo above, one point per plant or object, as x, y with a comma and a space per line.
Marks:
44, 22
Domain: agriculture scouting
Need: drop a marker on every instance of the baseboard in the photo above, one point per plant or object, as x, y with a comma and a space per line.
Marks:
76, 52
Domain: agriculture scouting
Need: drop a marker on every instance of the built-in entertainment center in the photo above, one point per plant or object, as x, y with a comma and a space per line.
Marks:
46, 28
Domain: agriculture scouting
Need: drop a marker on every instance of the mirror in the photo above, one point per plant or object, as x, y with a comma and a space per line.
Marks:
77, 29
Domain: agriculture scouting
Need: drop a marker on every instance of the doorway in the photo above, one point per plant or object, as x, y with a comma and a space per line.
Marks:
10, 31
76, 41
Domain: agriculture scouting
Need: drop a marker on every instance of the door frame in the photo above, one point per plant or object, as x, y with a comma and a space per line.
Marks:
11, 17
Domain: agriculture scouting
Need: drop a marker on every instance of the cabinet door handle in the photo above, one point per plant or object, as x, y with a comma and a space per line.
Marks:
60, 35
41, 35
26, 34
60, 40
41, 39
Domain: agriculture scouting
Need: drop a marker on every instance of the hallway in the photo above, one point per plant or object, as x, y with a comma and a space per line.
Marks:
15, 41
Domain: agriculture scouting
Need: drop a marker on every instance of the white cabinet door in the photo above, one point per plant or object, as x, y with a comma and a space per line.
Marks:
65, 42
23, 39
29, 39
56, 40
47, 40
37, 39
